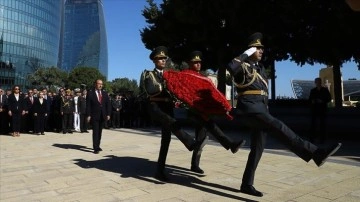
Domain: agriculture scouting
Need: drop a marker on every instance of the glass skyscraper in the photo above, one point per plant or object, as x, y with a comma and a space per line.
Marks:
29, 38
84, 42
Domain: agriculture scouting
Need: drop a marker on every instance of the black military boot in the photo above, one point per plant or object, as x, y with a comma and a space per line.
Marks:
321, 155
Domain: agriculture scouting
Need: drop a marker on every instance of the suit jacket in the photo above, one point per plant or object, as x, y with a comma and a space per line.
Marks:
29, 104
16, 106
81, 105
40, 108
49, 102
98, 111
3, 103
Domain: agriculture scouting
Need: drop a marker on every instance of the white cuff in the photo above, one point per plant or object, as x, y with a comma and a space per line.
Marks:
250, 51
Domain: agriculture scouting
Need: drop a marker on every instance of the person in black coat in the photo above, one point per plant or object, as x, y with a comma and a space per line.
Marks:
28, 118
98, 111
17, 109
56, 106
319, 99
40, 113
3, 112
252, 105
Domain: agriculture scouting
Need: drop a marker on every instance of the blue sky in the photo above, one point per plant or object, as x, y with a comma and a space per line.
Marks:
128, 56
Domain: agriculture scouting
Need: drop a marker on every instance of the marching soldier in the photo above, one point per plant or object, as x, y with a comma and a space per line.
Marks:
252, 87
203, 126
161, 109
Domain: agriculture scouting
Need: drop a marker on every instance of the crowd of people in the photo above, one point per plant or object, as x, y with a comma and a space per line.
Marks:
36, 111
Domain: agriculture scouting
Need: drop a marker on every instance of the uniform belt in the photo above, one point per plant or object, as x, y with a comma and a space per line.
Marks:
253, 92
160, 99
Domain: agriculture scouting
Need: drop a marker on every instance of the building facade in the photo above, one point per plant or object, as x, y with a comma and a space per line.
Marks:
84, 42
30, 32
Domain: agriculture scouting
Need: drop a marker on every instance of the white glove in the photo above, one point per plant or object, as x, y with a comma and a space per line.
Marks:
250, 51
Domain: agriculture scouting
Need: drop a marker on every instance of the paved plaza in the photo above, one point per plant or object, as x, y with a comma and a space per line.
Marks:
58, 167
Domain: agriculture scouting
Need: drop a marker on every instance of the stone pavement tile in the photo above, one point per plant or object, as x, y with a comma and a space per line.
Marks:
48, 187
34, 196
130, 193
42, 176
352, 197
307, 198
98, 198
93, 186
340, 189
6, 195
11, 186
60, 179
12, 178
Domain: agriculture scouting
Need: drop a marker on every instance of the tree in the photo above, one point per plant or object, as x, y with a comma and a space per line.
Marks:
50, 78
84, 76
304, 31
122, 85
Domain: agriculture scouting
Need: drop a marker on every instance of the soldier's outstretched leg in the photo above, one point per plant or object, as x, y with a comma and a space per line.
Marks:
225, 141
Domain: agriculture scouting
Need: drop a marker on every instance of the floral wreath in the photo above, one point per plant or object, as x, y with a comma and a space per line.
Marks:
196, 92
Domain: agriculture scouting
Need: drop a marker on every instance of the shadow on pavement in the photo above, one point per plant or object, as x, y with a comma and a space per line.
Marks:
73, 146
143, 169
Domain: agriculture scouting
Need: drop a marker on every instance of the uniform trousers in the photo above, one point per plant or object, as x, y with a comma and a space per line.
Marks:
261, 122
67, 122
77, 121
162, 112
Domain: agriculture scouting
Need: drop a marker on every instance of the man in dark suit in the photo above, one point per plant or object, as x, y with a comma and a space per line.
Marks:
252, 87
28, 123
98, 110
319, 99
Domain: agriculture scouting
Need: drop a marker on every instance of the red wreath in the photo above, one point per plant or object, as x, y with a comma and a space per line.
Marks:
197, 92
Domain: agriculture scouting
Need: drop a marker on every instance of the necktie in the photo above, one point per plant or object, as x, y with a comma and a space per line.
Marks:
31, 99
100, 96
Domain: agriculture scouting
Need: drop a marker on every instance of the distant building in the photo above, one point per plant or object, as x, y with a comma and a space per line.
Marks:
350, 88
29, 38
50, 33
84, 42
301, 88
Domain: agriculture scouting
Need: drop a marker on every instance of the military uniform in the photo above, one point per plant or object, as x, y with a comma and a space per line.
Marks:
116, 108
67, 110
160, 106
203, 126
251, 85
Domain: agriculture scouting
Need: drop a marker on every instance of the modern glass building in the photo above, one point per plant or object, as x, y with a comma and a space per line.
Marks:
29, 38
84, 42
301, 88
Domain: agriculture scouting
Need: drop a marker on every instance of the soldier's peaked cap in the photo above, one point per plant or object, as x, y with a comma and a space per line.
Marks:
159, 52
255, 40
195, 56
